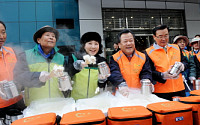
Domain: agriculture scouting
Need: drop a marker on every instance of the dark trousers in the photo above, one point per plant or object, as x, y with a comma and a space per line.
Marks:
14, 109
169, 96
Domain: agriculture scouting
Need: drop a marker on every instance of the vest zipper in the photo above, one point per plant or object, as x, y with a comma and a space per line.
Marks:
169, 67
88, 83
3, 57
28, 93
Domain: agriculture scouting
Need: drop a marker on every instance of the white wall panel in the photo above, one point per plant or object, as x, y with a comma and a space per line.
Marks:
91, 25
174, 5
155, 5
192, 11
134, 4
193, 28
113, 3
90, 9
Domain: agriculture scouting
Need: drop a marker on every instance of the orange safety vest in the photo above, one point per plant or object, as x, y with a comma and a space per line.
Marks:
7, 64
130, 70
198, 56
162, 63
192, 53
186, 54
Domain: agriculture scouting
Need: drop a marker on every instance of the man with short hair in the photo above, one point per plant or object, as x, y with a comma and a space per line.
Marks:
7, 63
162, 56
128, 66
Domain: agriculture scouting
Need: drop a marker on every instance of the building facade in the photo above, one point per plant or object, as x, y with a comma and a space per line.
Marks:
73, 18
102, 16
24, 17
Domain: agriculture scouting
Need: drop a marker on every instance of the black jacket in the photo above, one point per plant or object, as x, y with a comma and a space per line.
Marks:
72, 71
157, 75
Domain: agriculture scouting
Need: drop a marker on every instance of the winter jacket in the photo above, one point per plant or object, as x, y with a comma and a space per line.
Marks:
85, 80
161, 61
123, 70
27, 71
195, 68
7, 64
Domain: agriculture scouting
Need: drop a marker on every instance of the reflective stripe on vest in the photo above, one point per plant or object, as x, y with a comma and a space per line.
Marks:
162, 63
130, 70
186, 54
198, 56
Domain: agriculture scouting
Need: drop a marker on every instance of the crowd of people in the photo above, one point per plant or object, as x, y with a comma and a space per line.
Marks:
32, 70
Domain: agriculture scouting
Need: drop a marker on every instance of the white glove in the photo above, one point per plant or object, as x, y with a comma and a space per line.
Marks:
3, 95
166, 75
97, 90
79, 64
182, 67
65, 83
124, 90
44, 76
57, 71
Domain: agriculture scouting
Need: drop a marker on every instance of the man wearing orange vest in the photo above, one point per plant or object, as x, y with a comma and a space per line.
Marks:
7, 64
128, 66
162, 56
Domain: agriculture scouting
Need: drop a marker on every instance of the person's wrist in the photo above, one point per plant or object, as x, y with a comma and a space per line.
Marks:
122, 84
162, 75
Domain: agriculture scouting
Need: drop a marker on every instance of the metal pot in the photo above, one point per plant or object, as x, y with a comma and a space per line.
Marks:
104, 69
175, 69
10, 90
147, 87
13, 118
1, 121
65, 82
7, 120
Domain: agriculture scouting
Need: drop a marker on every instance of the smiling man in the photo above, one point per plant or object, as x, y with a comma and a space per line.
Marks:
128, 66
162, 56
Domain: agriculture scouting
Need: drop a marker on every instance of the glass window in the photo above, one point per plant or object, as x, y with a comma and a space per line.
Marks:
141, 22
65, 23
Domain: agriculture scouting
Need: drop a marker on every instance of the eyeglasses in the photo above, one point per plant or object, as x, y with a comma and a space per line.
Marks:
161, 37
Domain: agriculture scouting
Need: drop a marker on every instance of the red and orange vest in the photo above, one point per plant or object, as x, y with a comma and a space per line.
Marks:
130, 70
7, 64
163, 62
